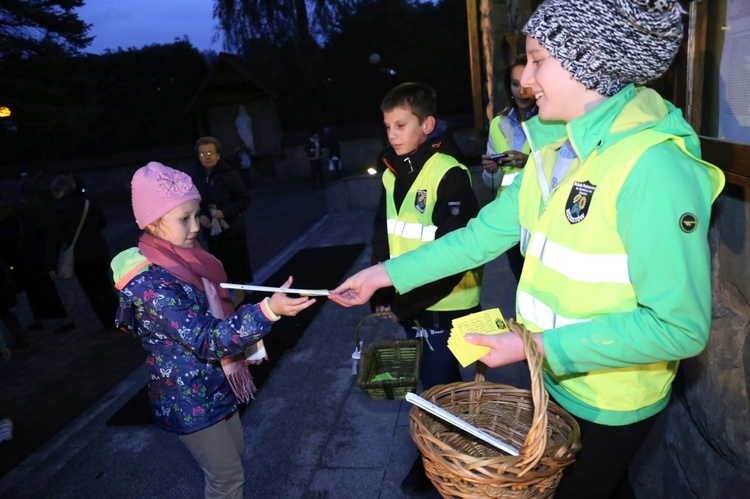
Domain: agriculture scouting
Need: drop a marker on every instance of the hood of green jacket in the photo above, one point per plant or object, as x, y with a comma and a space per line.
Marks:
126, 265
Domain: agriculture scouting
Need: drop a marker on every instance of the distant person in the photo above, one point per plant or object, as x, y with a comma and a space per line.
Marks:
506, 133
331, 144
10, 238
243, 162
26, 188
508, 138
426, 194
171, 300
6, 425
91, 251
314, 150
224, 198
30, 268
616, 283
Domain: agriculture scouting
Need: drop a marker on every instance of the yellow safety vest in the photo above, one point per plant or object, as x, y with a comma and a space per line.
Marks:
411, 226
500, 130
577, 271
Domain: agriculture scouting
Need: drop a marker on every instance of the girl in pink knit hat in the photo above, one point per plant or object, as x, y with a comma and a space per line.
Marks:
197, 343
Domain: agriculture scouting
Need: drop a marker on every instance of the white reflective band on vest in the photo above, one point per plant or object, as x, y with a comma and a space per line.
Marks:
533, 310
411, 230
508, 179
582, 267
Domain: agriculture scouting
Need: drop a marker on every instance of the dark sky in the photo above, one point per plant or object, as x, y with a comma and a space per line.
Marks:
135, 23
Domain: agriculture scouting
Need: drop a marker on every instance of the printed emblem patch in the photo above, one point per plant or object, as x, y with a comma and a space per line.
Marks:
455, 208
421, 200
579, 201
688, 223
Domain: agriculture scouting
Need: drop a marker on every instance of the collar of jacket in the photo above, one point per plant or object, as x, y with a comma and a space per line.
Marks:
412, 163
630, 110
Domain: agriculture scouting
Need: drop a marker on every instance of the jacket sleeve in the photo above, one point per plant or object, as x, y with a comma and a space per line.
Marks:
55, 237
669, 270
239, 196
455, 205
171, 310
380, 252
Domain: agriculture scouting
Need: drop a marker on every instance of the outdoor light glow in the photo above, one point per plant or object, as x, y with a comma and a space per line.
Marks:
4, 112
372, 171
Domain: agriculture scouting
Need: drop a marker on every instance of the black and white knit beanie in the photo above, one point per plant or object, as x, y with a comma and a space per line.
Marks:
607, 44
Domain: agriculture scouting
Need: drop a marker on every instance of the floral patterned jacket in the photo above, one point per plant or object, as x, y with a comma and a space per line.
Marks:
187, 387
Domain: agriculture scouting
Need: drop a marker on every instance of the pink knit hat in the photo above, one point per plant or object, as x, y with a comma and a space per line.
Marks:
157, 190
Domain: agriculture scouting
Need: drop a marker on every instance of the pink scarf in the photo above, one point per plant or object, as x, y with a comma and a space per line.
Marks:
205, 272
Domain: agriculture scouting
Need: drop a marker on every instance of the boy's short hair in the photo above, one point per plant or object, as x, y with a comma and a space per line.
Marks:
421, 99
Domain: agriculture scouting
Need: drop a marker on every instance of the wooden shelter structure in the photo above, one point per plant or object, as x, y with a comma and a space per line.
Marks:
238, 107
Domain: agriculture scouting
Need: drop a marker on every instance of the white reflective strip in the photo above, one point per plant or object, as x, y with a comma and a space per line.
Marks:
411, 230
582, 267
533, 310
508, 179
524, 242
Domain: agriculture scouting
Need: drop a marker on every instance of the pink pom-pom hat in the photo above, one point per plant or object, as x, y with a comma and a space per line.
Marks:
158, 189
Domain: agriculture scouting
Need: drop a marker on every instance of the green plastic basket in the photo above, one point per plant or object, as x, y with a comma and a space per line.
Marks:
388, 370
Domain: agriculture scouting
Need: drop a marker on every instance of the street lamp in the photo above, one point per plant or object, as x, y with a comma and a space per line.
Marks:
4, 112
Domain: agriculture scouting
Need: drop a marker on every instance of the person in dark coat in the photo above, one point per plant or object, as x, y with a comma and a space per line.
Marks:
30, 267
224, 198
333, 147
91, 250
10, 236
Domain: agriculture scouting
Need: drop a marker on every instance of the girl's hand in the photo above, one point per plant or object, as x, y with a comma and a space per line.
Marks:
386, 308
281, 304
489, 164
515, 158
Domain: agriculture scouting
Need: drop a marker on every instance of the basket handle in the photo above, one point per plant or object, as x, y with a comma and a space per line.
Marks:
365, 319
536, 440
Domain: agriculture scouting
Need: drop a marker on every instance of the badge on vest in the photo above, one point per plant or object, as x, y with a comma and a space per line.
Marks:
421, 202
579, 201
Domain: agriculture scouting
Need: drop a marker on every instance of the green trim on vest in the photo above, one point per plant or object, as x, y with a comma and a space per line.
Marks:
410, 228
576, 269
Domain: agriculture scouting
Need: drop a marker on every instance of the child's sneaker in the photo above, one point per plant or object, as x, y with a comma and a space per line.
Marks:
6, 429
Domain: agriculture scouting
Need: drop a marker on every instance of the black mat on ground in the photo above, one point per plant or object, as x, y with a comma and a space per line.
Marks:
312, 268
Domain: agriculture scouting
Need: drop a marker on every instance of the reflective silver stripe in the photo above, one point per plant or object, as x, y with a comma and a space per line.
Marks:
533, 310
582, 267
508, 179
525, 237
411, 230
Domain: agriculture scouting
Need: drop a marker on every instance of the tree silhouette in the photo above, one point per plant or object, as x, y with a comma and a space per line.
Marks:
30, 27
276, 22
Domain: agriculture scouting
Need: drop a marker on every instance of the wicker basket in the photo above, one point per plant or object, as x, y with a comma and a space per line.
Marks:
399, 358
461, 466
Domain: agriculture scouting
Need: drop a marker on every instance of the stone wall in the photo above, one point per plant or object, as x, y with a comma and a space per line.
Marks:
700, 446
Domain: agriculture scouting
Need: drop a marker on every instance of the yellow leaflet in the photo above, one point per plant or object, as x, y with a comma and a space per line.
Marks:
486, 322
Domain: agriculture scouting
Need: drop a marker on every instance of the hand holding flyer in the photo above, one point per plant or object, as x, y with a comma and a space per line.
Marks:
485, 322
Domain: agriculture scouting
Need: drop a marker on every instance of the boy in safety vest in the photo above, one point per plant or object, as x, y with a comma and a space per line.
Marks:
426, 194
612, 213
